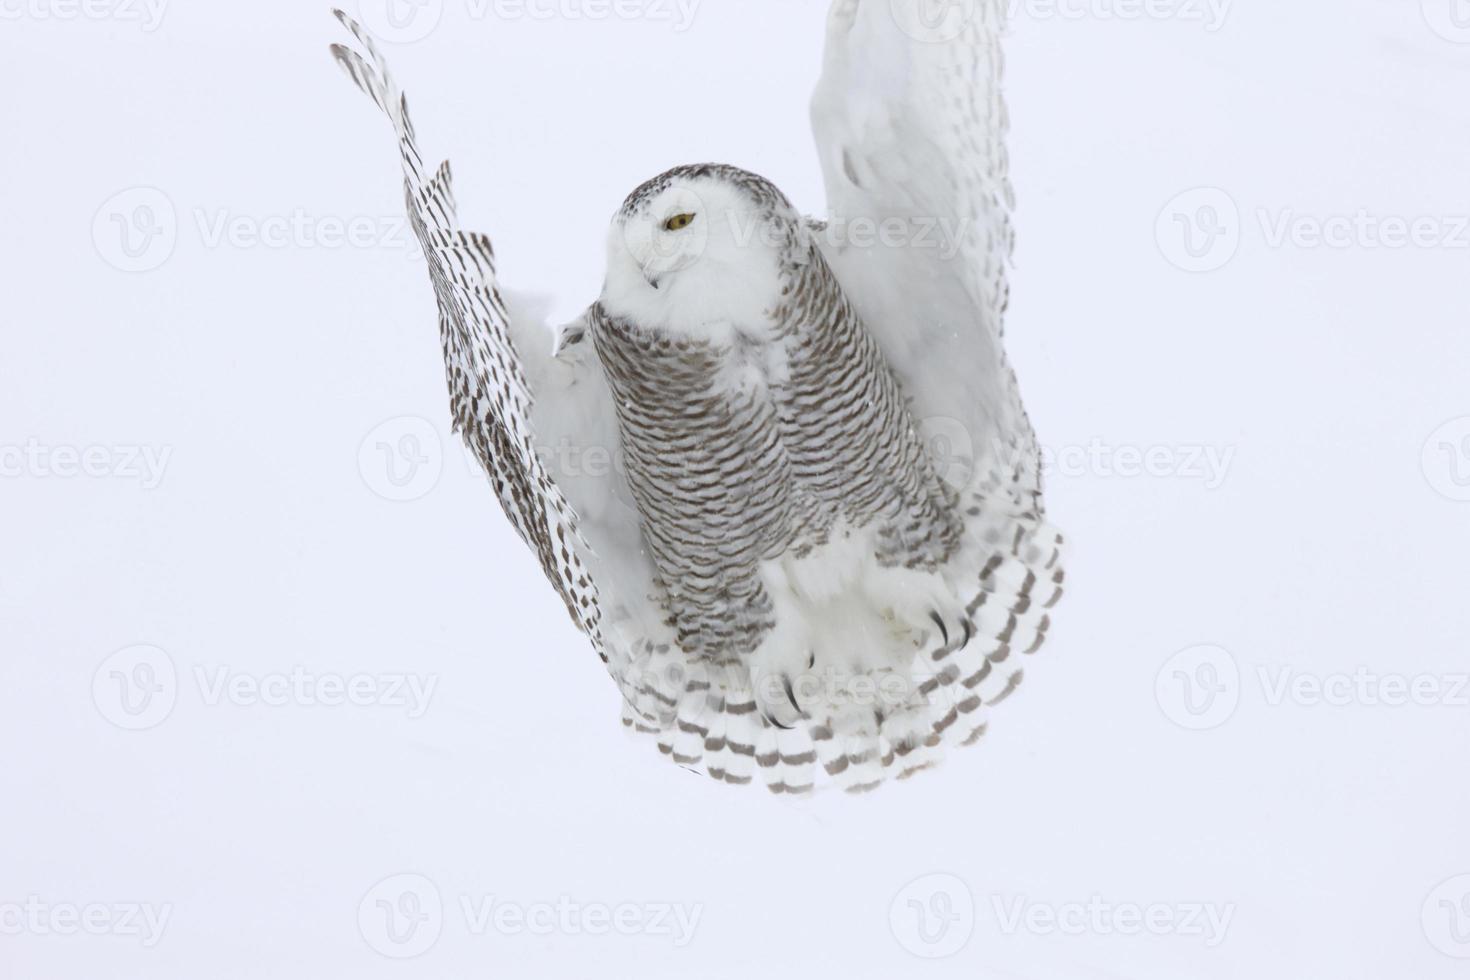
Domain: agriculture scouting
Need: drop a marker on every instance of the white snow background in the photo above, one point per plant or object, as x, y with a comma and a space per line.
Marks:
1167, 758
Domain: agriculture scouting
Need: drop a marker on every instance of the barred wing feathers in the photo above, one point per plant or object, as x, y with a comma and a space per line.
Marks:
490, 396
910, 124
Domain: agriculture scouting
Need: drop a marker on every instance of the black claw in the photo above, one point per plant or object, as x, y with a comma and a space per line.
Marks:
969, 632
771, 720
791, 695
943, 630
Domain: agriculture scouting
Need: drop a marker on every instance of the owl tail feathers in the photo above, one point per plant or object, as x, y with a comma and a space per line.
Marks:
709, 720
706, 718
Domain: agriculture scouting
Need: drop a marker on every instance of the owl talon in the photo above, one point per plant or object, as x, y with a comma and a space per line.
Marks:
943, 629
966, 632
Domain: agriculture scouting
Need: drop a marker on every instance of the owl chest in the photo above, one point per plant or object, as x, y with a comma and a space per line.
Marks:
691, 394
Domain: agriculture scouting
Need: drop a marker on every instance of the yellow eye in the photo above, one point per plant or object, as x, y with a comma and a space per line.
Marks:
679, 222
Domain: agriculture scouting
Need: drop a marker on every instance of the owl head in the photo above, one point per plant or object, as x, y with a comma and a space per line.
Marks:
700, 249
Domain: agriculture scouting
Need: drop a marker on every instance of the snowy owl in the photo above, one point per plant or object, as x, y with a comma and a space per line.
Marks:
788, 584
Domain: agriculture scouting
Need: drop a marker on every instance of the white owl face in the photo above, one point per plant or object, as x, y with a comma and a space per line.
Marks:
694, 257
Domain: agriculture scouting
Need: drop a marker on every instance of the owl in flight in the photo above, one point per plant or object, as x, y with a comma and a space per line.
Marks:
786, 581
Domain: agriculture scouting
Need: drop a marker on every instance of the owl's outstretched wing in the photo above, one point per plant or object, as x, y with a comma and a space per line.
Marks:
911, 126
488, 387
543, 428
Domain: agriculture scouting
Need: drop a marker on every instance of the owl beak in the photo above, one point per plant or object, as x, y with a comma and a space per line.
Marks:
648, 266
